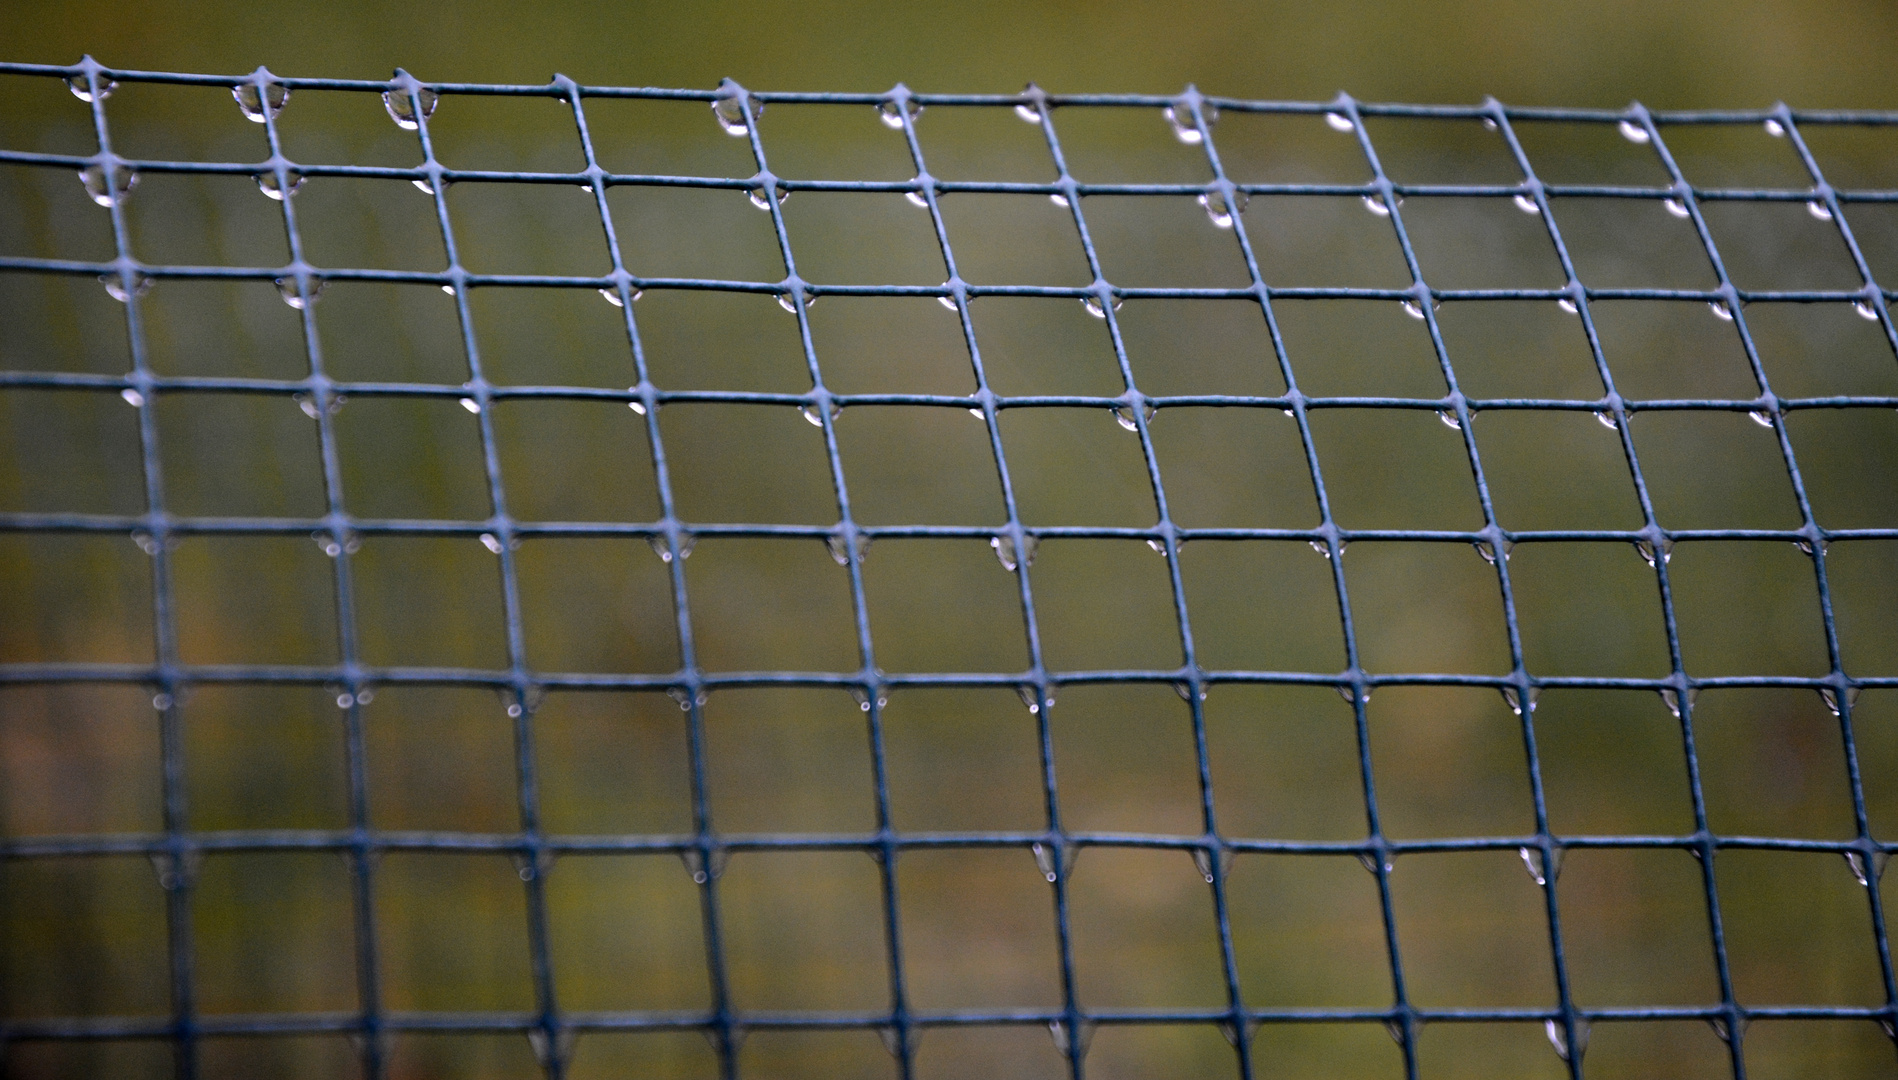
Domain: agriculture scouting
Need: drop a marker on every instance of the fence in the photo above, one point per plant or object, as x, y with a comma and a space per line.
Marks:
179, 850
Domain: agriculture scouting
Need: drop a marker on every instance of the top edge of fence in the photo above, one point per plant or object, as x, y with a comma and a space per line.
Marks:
562, 86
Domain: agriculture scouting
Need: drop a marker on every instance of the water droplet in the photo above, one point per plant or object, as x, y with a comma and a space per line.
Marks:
176, 872
789, 304
1727, 1034
1558, 1038
1675, 207
1350, 694
1158, 546
554, 1052
1368, 860
1059, 200
1034, 697
1672, 699
1185, 690
840, 548
613, 297
1648, 549
1005, 551
1761, 417
1489, 124
1181, 118
661, 548
1488, 550
1449, 420
1094, 308
1028, 110
815, 417
1339, 121
1633, 132
1125, 415
892, 112
1220, 209
1805, 546
327, 544
1865, 310
471, 404
730, 111
401, 106
345, 699
1066, 1046
1831, 697
1775, 129
1532, 861
272, 186
426, 185
862, 697
1045, 859
115, 285
491, 542
145, 541
82, 87
1870, 877
1232, 1031
696, 862
1395, 1029
108, 191
132, 397
1513, 698
1207, 863
900, 1040
762, 200
917, 198
161, 701
1721, 310
261, 104
1324, 549
1568, 305
1819, 210
300, 297
1376, 205
1527, 205
1606, 419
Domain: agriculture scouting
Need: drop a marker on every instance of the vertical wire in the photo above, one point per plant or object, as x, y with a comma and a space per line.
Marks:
1016, 537
1842, 690
887, 848
1525, 690
177, 866
533, 857
1703, 846
724, 1033
1836, 673
361, 854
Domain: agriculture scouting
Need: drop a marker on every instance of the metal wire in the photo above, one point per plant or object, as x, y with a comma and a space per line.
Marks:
178, 848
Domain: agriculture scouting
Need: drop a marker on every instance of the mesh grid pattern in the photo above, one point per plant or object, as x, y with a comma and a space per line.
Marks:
552, 1029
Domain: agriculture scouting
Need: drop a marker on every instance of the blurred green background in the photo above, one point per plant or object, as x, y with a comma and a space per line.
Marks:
86, 937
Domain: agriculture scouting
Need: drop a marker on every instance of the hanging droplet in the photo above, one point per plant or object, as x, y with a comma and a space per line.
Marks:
731, 113
1094, 308
82, 87
300, 296
401, 106
1069, 1047
613, 297
1865, 310
1868, 876
1648, 551
1727, 1034
176, 872
1819, 210
1046, 858
892, 112
1350, 693
1005, 551
108, 190
1568, 305
1526, 204
696, 863
1633, 132
1209, 866
1776, 129
762, 200
1675, 207
1376, 205
1761, 417
1059, 200
840, 548
950, 303
426, 185
1324, 549
146, 542
1514, 699
1395, 1029
1532, 860
1606, 419
161, 701
327, 544
260, 105
1720, 310
1125, 415
272, 186
115, 286
788, 303
471, 404
132, 397
1235, 1033
1028, 112
1158, 546
551, 1053
365, 695
1488, 550
1339, 121
1558, 1038
491, 542
900, 1040
1805, 546
1672, 699
1415, 310
1368, 860
1220, 209
917, 199
1035, 698
1449, 420
663, 549
1831, 697
1181, 118
815, 417
862, 697
1185, 690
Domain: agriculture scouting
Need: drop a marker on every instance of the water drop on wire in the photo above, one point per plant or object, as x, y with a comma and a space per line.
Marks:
1025, 110
260, 105
1675, 207
1369, 861
1672, 699
613, 297
1004, 547
1450, 421
1059, 200
892, 112
1776, 129
1181, 118
108, 190
81, 87
1865, 310
788, 303
491, 542
1819, 210
471, 404
1125, 415
272, 187
115, 286
762, 201
1633, 132
1527, 205
1220, 209
401, 106
1514, 699
1339, 121
1034, 698
1568, 305
731, 113
132, 397
1831, 698
1094, 308
1376, 205
816, 418
1649, 552
1540, 873
1558, 1037
1868, 876
1721, 310
299, 297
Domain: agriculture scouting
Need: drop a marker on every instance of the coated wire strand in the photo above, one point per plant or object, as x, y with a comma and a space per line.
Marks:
178, 847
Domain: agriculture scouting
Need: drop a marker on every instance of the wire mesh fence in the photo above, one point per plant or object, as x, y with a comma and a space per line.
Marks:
1216, 834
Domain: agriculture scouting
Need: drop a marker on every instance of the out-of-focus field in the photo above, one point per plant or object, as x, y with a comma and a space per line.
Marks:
804, 931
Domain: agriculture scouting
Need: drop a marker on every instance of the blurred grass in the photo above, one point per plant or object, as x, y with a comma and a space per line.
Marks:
86, 936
